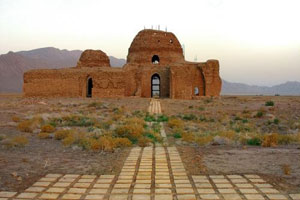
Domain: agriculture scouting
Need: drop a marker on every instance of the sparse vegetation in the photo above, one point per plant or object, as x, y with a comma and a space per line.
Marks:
269, 103
48, 128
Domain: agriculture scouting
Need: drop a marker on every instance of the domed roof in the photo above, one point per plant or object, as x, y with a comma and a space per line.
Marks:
93, 58
154, 46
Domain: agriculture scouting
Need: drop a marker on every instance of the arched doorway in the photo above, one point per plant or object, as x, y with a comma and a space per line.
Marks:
155, 86
89, 87
155, 59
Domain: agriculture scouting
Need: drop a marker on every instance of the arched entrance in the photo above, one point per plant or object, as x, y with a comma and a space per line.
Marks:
155, 86
89, 87
155, 59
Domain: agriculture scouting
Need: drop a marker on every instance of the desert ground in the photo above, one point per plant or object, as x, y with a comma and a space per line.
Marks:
225, 135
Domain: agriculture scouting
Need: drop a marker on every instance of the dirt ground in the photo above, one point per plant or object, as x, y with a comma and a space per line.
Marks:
21, 166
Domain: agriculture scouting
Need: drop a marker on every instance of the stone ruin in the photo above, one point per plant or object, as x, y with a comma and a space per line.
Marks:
155, 68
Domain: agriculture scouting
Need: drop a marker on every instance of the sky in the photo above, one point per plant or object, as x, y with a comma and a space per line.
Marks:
257, 42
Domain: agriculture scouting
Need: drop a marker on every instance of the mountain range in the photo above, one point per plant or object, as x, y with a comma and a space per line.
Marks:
14, 64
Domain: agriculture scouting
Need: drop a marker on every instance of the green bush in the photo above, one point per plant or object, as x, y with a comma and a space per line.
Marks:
269, 103
259, 114
189, 117
276, 121
255, 141
177, 135
149, 118
162, 118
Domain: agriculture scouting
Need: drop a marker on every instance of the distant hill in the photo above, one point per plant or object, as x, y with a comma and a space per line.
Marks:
14, 64
288, 88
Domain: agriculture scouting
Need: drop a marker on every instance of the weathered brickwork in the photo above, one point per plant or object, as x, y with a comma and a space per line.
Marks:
152, 54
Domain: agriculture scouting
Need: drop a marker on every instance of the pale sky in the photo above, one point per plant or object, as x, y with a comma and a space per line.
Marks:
256, 41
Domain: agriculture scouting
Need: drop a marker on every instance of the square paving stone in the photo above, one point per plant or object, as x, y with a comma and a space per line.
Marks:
276, 197
203, 185
248, 191
82, 185
223, 185
27, 195
143, 181
295, 196
206, 191
209, 196
141, 191
85, 180
66, 180
239, 180
252, 176
163, 197
163, 185
107, 176
71, 196
257, 180
48, 179
182, 181
183, 185
234, 176
48, 196
186, 197
55, 190
120, 191
122, 185
59, 184
35, 189
263, 185
77, 190
184, 191
254, 197
141, 197
42, 184
217, 176
269, 190
227, 191
244, 185
104, 180
101, 185
232, 197
142, 186
163, 191
98, 191
221, 180
94, 197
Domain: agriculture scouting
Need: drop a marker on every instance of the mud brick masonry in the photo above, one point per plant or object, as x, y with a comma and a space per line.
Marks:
155, 67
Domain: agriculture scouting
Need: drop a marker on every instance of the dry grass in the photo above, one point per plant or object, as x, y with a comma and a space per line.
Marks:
43, 135
62, 134
175, 123
204, 140
270, 140
48, 128
188, 137
15, 118
17, 141
286, 169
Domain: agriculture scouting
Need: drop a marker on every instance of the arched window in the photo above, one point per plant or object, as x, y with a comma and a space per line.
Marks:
155, 59
196, 91
155, 86
89, 87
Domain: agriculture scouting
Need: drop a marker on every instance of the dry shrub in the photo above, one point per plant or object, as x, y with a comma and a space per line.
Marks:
122, 142
188, 137
270, 140
143, 142
94, 144
287, 139
69, 140
25, 126
43, 135
18, 141
228, 134
286, 169
131, 131
48, 128
106, 143
175, 123
62, 134
135, 120
204, 140
15, 118
30, 125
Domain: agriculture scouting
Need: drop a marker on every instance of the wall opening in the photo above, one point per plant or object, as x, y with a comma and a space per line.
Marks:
89, 87
155, 59
155, 86
196, 91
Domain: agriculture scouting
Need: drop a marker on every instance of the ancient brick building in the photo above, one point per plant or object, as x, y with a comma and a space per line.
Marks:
155, 67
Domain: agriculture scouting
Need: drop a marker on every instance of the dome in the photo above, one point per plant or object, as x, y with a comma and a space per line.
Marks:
93, 58
156, 47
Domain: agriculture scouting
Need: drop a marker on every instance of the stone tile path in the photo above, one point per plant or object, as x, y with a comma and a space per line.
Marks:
151, 173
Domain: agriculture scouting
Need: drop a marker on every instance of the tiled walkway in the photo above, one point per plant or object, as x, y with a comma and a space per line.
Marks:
151, 173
